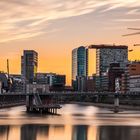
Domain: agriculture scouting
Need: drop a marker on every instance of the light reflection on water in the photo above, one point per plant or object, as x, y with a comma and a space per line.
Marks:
74, 122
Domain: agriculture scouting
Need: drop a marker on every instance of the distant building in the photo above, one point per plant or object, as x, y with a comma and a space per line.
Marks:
42, 78
6, 81
29, 64
90, 83
17, 83
79, 65
134, 68
55, 81
37, 88
133, 77
130, 79
114, 72
107, 82
134, 83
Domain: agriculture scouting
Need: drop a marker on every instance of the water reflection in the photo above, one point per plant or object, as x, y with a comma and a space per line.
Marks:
75, 122
68, 132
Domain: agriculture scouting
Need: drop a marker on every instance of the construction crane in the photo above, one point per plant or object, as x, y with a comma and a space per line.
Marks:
130, 50
136, 44
136, 33
9, 80
8, 67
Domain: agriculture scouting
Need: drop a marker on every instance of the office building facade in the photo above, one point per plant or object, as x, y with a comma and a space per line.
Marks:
79, 64
105, 55
29, 64
56, 82
131, 79
134, 83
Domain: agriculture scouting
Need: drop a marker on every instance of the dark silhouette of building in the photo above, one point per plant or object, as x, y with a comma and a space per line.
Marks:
114, 72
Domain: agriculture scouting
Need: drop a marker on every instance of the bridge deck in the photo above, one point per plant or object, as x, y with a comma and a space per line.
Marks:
72, 94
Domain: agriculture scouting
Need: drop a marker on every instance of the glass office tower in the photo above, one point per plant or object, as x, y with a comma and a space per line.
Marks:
79, 64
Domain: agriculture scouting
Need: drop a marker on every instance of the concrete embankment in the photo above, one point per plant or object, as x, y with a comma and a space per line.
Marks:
109, 106
11, 105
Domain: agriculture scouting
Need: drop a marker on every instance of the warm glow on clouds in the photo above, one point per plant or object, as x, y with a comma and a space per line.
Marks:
54, 27
29, 18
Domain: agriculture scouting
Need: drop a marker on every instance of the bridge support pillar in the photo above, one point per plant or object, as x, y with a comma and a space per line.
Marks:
116, 104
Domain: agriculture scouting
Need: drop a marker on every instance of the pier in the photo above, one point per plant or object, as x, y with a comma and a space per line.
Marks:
42, 104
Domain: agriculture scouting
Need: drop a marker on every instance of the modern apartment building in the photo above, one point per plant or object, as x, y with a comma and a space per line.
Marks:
106, 55
29, 64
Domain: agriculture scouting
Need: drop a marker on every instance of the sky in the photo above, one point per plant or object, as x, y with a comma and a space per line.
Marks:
54, 27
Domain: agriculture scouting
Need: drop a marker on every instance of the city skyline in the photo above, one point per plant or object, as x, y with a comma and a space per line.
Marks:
53, 30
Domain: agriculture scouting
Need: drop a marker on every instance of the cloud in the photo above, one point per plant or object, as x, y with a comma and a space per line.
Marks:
134, 12
29, 18
127, 20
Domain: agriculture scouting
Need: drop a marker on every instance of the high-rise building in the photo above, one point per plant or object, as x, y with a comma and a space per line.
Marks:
79, 64
107, 54
29, 63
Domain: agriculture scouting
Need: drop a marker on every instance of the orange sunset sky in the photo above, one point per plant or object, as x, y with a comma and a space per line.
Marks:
54, 27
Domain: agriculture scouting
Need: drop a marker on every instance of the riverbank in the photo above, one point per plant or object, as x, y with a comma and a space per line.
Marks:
11, 105
109, 106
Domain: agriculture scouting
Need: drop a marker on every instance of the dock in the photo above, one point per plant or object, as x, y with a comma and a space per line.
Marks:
36, 104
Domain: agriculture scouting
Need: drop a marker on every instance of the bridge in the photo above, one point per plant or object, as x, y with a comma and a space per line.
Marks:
105, 93
50, 102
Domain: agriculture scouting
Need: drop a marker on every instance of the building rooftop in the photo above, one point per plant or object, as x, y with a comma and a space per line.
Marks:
107, 46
